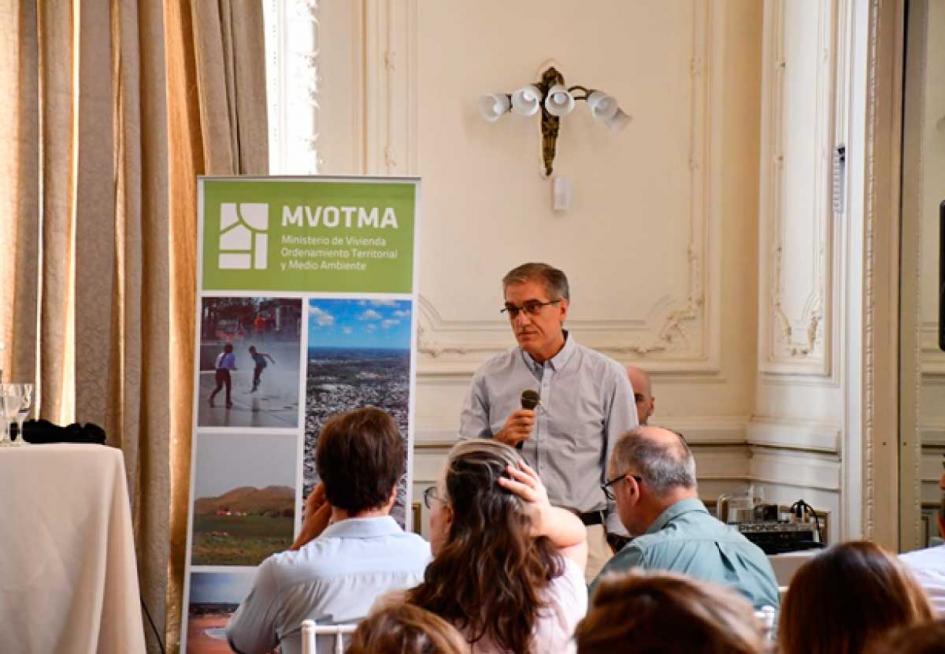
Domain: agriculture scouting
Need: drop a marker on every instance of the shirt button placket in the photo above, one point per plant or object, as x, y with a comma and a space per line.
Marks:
542, 422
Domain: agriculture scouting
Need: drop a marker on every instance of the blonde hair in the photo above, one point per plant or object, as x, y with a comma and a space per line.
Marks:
406, 629
643, 613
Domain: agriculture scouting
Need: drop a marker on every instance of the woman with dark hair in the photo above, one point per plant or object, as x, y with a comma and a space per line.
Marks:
847, 599
508, 568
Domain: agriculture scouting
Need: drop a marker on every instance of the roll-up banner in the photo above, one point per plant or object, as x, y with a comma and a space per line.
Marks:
306, 297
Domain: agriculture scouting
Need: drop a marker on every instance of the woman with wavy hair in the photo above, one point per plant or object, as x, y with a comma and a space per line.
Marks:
847, 599
507, 567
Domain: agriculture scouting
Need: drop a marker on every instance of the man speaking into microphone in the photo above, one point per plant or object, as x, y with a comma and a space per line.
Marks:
584, 402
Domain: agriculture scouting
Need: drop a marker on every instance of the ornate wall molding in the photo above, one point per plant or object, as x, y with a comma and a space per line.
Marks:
881, 222
796, 321
679, 332
389, 36
794, 434
931, 359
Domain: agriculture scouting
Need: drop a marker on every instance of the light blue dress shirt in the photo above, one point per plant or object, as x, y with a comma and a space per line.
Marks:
333, 579
586, 403
687, 540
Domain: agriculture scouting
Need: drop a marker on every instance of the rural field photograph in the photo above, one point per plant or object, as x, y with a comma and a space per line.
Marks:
358, 355
244, 497
249, 362
214, 598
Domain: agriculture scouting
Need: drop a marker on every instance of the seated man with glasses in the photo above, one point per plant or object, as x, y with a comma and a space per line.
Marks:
653, 482
585, 402
349, 550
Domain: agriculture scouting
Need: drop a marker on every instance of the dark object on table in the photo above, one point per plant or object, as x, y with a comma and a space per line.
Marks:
43, 431
780, 537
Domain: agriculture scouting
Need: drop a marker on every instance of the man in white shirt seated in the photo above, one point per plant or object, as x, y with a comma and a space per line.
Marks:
349, 550
928, 565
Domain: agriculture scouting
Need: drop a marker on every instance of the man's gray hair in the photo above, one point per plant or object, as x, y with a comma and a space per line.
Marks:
555, 281
663, 466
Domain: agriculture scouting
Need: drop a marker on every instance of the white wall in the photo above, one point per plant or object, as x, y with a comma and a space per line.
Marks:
724, 277
660, 244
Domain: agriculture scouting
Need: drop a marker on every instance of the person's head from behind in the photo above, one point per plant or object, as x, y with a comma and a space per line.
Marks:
406, 629
846, 599
924, 638
641, 613
468, 504
488, 570
360, 458
650, 469
642, 393
228, 347
252, 349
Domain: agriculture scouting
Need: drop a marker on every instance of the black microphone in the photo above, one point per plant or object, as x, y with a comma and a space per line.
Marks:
530, 399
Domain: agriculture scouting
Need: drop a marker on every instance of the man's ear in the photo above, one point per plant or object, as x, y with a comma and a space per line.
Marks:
392, 497
563, 306
631, 487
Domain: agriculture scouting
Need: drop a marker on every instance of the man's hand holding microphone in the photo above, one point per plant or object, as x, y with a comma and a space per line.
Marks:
518, 426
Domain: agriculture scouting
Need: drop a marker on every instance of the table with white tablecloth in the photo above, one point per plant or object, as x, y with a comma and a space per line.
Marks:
788, 563
68, 577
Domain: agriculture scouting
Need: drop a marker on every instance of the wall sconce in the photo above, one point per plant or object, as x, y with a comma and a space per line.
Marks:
554, 99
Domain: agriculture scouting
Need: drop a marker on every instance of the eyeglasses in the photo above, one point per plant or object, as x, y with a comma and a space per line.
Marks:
429, 495
532, 308
607, 486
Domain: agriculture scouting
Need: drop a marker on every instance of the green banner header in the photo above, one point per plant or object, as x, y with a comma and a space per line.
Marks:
308, 234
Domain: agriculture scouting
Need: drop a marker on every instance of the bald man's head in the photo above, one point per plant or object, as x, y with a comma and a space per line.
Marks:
642, 393
660, 456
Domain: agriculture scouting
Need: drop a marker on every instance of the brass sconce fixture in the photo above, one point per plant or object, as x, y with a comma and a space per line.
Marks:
555, 100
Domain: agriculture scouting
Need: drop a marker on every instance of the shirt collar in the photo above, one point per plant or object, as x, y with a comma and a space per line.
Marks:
676, 510
363, 528
558, 361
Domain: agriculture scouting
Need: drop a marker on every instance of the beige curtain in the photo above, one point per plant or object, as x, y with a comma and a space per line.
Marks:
116, 106
216, 59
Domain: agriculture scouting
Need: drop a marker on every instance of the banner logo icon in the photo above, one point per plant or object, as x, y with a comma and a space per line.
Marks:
244, 239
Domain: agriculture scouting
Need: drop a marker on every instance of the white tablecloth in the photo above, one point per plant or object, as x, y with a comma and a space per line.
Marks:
786, 564
68, 578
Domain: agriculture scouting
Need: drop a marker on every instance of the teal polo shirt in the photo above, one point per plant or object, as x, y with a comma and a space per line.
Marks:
685, 539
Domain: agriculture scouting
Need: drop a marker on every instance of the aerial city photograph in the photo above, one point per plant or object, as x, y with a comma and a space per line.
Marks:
358, 355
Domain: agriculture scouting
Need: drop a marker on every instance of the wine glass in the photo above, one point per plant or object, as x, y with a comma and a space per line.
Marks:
25, 392
9, 405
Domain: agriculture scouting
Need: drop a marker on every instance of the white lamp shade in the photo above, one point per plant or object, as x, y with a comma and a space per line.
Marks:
603, 107
493, 105
526, 100
618, 121
559, 102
